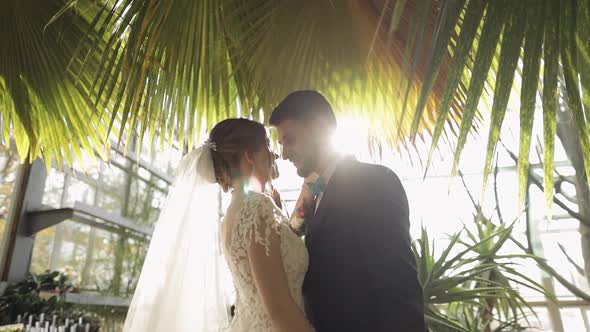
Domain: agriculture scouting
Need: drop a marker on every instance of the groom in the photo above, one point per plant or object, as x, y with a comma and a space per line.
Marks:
362, 272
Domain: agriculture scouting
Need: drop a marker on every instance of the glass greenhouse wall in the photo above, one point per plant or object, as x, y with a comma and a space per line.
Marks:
111, 209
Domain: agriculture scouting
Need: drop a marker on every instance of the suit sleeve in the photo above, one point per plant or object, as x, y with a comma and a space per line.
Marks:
386, 248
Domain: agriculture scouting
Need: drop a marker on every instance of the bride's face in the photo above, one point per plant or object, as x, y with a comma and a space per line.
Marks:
264, 165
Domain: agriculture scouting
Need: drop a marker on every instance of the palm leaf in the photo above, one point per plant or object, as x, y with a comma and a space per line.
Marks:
551, 57
492, 74
445, 28
494, 21
473, 16
531, 65
168, 78
414, 46
435, 319
509, 55
46, 111
161, 70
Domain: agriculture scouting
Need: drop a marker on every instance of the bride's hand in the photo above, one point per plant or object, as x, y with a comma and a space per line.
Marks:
276, 197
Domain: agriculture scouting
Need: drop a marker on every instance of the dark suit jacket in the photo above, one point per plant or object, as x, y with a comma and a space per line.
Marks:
362, 272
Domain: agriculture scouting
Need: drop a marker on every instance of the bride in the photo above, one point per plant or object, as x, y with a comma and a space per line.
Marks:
182, 283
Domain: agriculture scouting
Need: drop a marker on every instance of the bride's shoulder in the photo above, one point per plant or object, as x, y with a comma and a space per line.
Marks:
262, 206
259, 217
257, 199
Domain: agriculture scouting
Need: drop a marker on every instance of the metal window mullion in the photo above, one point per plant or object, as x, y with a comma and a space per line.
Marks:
536, 245
92, 235
59, 228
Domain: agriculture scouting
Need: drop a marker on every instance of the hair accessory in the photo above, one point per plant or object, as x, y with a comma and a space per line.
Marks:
210, 144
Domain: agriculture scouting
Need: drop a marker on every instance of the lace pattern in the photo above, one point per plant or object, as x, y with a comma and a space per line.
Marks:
256, 221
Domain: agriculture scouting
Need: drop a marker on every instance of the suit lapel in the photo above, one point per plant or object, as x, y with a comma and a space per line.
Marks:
315, 223
320, 211
317, 219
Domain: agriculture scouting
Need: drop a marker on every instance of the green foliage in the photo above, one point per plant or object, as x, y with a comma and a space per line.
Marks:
26, 296
12, 328
471, 284
166, 70
41, 105
514, 38
43, 293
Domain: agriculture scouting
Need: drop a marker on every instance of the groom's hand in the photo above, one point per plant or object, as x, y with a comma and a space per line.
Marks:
304, 209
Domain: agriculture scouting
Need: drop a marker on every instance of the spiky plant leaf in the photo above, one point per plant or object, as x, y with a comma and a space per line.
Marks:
496, 15
550, 92
509, 55
445, 28
471, 22
530, 81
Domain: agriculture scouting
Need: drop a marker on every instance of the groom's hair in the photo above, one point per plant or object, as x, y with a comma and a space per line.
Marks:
307, 106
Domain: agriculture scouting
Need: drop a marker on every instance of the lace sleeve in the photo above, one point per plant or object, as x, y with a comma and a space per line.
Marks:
260, 217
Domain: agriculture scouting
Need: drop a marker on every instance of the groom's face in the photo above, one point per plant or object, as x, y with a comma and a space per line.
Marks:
297, 145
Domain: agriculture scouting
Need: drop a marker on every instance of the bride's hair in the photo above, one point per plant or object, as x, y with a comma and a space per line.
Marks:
231, 138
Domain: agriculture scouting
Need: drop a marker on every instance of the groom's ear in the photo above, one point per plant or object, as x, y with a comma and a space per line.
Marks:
320, 129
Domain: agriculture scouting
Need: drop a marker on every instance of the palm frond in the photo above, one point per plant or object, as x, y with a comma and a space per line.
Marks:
534, 34
238, 57
472, 20
490, 33
163, 70
553, 35
435, 71
509, 55
40, 103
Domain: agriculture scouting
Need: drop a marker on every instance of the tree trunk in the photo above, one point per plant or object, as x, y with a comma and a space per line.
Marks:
569, 139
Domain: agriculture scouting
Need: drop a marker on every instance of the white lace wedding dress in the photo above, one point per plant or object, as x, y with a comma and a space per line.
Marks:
255, 216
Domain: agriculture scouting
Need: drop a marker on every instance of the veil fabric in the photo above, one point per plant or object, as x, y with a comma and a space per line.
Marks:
184, 281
